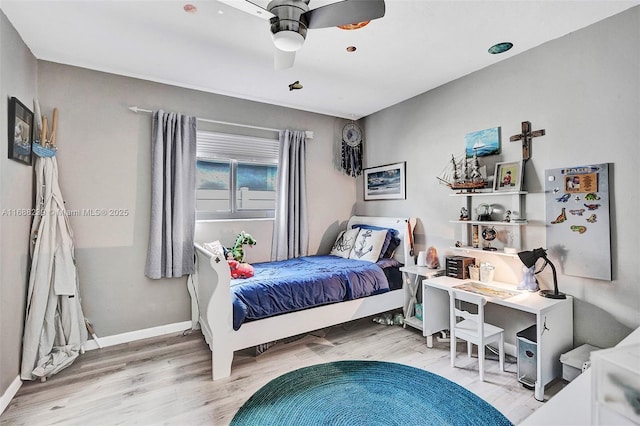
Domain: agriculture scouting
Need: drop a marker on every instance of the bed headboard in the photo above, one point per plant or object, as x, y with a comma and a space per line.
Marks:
404, 226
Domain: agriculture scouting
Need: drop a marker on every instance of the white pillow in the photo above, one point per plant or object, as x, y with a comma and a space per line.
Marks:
344, 243
215, 248
368, 245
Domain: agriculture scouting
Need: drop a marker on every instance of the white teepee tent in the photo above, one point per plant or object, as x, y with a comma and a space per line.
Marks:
54, 326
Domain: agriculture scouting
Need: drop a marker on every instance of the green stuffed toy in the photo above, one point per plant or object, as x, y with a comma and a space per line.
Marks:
237, 252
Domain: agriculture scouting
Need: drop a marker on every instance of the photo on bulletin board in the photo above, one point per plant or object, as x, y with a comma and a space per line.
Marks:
581, 183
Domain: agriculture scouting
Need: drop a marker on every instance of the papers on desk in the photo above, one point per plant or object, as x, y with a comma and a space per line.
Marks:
486, 290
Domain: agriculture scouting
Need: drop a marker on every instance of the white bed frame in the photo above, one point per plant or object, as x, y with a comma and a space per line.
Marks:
211, 305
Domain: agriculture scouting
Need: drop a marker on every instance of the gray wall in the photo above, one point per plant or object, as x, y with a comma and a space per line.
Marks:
584, 89
18, 68
104, 162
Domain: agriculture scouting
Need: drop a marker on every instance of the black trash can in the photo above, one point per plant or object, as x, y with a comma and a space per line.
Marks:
527, 346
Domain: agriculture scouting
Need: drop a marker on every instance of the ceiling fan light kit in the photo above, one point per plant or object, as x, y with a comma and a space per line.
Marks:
288, 26
289, 41
290, 19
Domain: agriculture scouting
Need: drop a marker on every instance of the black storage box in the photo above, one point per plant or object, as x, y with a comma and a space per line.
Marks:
458, 266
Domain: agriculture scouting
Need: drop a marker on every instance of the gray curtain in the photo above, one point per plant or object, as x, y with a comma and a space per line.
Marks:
291, 230
173, 195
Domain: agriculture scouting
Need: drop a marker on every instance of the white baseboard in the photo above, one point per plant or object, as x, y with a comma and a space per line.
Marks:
132, 336
8, 395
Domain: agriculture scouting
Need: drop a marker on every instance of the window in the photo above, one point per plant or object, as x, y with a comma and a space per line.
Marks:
235, 176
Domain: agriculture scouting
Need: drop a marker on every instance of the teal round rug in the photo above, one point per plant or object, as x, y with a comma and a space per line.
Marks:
365, 393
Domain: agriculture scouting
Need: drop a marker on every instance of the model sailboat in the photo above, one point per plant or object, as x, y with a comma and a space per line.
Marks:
464, 174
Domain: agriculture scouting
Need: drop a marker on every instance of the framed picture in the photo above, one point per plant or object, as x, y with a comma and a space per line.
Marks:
20, 126
508, 177
483, 142
385, 182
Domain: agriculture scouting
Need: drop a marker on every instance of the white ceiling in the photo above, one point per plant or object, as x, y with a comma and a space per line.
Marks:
417, 46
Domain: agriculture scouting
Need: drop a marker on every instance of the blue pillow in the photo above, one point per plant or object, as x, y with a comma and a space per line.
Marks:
392, 236
393, 245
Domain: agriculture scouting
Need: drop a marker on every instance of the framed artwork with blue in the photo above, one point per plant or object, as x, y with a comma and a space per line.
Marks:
385, 182
483, 142
20, 125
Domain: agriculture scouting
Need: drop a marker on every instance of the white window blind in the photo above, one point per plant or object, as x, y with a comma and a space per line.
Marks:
236, 175
225, 146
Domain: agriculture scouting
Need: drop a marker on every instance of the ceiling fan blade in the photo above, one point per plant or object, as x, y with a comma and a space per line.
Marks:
283, 60
249, 7
344, 13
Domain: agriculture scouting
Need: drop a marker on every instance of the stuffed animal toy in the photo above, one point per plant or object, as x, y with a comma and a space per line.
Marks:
240, 270
237, 252
387, 319
529, 281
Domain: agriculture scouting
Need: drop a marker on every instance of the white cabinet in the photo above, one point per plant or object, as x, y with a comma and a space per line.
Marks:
477, 234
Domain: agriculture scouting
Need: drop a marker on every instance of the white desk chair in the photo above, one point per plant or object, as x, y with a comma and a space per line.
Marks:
473, 329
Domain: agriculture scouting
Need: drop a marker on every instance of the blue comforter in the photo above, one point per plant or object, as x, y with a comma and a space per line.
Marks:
304, 282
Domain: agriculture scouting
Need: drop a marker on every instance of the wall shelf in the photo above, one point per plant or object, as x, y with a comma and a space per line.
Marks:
486, 194
489, 222
508, 234
469, 249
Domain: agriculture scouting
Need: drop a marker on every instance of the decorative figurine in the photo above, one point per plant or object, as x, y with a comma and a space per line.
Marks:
464, 213
507, 216
484, 212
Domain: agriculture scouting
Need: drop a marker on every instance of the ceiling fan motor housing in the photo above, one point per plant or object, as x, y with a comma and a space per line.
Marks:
288, 27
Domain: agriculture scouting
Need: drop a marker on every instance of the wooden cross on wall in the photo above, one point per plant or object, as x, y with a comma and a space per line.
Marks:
526, 137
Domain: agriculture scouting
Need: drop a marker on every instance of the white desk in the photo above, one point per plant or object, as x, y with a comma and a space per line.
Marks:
412, 277
554, 322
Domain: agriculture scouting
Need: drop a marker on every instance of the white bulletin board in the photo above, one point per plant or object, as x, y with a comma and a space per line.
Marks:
577, 220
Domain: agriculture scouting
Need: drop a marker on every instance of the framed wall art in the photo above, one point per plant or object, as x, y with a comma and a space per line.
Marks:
483, 142
385, 182
508, 177
20, 125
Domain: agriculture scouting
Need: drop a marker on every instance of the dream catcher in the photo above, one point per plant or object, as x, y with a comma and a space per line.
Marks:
352, 149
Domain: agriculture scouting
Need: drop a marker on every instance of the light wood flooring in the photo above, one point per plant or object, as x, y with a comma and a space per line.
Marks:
167, 380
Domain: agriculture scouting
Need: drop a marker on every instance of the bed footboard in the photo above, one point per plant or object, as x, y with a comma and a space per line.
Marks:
211, 297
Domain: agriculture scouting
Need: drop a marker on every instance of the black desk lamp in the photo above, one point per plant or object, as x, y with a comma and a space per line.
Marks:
529, 259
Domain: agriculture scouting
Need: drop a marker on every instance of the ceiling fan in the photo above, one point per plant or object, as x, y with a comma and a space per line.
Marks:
290, 19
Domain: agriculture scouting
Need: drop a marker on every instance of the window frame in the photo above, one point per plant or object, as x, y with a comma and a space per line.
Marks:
233, 212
